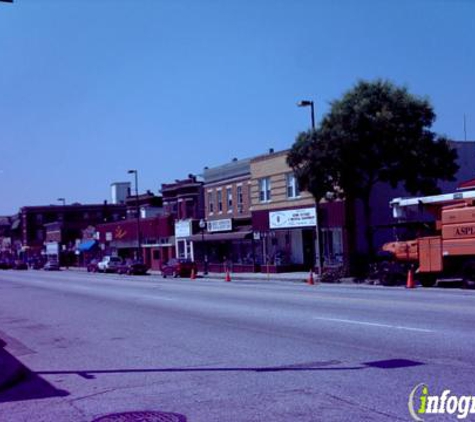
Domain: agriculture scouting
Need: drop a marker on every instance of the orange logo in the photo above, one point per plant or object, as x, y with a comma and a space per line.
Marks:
120, 233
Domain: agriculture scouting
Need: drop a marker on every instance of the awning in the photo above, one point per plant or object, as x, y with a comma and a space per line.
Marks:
87, 245
215, 237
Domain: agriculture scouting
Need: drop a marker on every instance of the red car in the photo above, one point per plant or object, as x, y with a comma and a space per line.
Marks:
178, 268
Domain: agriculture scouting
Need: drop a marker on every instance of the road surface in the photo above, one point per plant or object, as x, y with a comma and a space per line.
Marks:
243, 351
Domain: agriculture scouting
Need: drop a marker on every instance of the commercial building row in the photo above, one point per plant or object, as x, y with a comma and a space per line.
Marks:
246, 215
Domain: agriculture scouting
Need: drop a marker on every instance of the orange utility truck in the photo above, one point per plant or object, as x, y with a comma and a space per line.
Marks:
448, 254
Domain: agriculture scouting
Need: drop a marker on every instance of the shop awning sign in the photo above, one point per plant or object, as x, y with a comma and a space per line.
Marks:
303, 217
222, 225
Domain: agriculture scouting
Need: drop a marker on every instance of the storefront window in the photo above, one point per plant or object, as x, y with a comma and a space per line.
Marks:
333, 246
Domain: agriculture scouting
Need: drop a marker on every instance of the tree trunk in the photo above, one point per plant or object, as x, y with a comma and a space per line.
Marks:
367, 211
352, 256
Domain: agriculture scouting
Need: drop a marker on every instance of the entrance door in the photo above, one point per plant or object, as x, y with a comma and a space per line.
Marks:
308, 241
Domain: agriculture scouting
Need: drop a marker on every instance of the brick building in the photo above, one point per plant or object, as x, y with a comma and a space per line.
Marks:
284, 219
57, 229
120, 238
227, 239
183, 200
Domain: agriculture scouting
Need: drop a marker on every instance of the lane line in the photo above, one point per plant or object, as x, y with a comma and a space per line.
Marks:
375, 324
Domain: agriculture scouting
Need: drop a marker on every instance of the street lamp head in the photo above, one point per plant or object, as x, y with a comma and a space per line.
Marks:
202, 223
132, 171
304, 103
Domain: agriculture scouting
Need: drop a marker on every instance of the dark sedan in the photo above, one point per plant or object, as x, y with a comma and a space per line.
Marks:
20, 265
178, 268
133, 268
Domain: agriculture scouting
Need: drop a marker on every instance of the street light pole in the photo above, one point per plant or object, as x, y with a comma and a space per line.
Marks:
308, 103
202, 225
139, 240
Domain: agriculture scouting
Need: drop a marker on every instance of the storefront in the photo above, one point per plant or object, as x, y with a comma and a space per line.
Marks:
287, 239
225, 245
183, 242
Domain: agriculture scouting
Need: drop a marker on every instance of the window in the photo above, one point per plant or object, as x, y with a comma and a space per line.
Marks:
293, 190
210, 202
229, 196
239, 199
264, 189
333, 246
40, 235
220, 201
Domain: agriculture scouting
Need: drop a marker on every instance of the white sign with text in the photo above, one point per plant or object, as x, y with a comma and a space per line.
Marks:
303, 217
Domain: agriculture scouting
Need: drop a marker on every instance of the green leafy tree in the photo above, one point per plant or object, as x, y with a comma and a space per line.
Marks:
377, 132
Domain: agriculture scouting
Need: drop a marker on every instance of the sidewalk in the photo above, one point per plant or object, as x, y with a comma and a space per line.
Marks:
299, 277
296, 277
11, 370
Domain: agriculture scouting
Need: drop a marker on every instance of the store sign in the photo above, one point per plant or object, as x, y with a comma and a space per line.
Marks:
222, 225
303, 217
183, 228
52, 248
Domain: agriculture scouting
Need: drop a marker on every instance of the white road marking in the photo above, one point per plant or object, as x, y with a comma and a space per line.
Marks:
375, 324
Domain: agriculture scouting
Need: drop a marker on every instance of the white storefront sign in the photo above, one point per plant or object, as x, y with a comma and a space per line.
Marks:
183, 228
303, 217
222, 225
52, 248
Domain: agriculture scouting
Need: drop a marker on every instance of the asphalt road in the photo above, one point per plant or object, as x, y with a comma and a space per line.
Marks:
242, 351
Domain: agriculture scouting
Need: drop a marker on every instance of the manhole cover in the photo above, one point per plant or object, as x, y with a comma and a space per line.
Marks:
142, 417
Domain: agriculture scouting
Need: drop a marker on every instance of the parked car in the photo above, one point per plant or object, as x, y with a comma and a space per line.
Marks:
5, 264
109, 264
92, 266
178, 268
36, 263
51, 266
133, 268
20, 265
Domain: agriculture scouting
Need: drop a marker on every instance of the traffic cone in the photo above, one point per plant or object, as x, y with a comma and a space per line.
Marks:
192, 275
310, 280
410, 284
228, 276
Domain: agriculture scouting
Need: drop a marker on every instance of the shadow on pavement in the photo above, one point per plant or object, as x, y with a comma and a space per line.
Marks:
18, 383
317, 366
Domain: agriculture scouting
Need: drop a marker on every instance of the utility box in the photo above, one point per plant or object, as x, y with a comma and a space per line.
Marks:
430, 254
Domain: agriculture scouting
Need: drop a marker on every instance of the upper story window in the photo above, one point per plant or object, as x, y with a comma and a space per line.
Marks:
239, 198
39, 218
264, 189
293, 190
229, 198
220, 200
210, 202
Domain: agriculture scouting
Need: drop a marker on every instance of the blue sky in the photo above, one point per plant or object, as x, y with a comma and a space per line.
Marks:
92, 88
